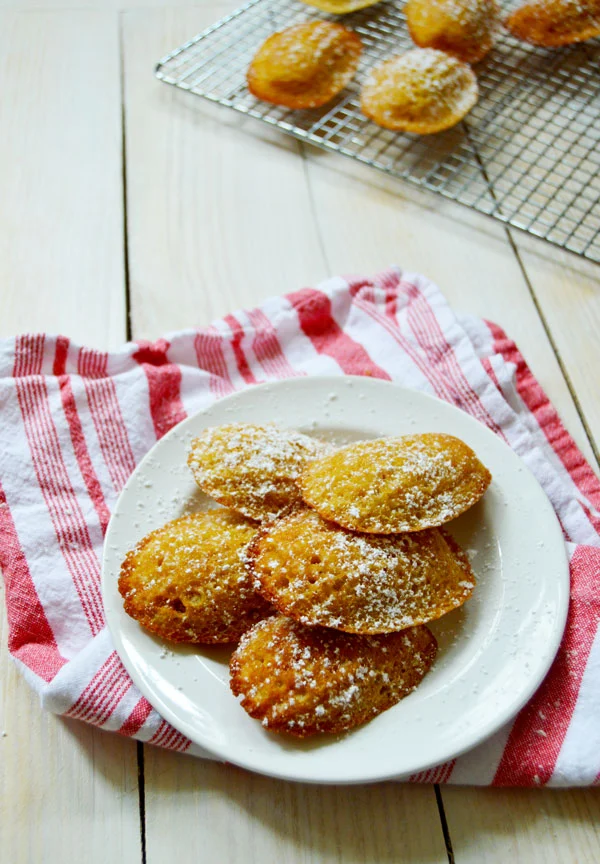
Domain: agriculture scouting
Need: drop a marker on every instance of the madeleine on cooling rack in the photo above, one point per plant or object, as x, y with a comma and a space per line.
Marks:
340, 7
463, 28
304, 66
552, 23
422, 91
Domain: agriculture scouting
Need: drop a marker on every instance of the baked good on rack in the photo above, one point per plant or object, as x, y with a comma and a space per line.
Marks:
423, 91
340, 7
552, 23
305, 680
187, 581
304, 66
395, 484
320, 574
463, 28
251, 468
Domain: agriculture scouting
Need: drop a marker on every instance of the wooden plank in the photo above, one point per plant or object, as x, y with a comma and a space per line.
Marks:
225, 814
368, 222
218, 219
61, 258
530, 826
364, 228
209, 215
567, 291
67, 791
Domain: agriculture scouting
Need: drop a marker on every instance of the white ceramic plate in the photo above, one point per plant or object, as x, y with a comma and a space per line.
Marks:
494, 651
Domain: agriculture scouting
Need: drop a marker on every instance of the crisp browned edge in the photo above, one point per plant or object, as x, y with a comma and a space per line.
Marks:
429, 653
299, 103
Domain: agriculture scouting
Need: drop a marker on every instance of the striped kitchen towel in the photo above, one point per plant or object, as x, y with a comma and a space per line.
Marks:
75, 422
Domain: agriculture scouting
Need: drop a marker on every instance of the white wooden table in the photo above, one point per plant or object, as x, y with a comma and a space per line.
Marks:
128, 209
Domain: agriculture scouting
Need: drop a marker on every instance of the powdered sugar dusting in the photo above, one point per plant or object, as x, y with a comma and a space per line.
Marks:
252, 469
320, 574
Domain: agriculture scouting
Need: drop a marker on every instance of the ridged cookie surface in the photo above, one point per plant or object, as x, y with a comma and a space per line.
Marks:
187, 581
305, 680
320, 574
463, 28
422, 91
252, 469
304, 66
552, 23
390, 485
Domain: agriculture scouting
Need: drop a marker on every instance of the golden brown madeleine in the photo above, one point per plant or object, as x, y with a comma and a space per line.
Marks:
252, 469
305, 680
305, 65
188, 582
395, 484
463, 28
552, 23
340, 7
423, 91
320, 574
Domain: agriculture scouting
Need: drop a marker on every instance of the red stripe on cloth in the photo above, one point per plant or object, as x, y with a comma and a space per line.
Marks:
267, 348
365, 300
164, 382
62, 503
443, 359
485, 362
29, 355
167, 736
102, 695
534, 397
30, 637
446, 771
92, 364
110, 429
539, 730
210, 357
96, 688
60, 356
137, 718
314, 315
237, 334
82, 455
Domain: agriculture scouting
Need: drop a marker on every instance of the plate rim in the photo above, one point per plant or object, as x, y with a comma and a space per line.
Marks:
183, 726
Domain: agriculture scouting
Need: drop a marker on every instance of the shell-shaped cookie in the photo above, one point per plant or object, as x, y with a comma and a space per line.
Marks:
304, 66
187, 581
552, 23
340, 7
390, 485
423, 91
320, 574
305, 680
252, 469
463, 28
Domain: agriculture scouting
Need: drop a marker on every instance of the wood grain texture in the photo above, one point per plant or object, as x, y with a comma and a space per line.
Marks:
68, 792
61, 218
567, 291
365, 227
225, 222
529, 826
217, 217
220, 813
368, 222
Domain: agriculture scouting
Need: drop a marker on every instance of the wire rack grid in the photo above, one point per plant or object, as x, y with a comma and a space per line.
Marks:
527, 154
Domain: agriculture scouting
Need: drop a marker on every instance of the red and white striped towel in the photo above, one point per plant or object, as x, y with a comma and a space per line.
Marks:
75, 422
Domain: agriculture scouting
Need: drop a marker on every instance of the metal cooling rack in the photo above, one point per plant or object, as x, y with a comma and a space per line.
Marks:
527, 154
